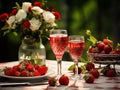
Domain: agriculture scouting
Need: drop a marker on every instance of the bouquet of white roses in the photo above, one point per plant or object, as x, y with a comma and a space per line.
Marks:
29, 19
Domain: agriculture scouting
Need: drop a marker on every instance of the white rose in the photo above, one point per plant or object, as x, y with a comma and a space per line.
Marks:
34, 24
37, 10
26, 5
11, 22
21, 14
48, 17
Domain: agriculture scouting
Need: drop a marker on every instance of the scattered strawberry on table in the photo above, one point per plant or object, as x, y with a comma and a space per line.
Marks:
79, 70
62, 80
52, 81
89, 66
95, 73
89, 78
26, 69
108, 71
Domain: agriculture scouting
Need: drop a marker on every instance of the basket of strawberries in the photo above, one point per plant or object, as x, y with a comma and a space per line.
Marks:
104, 51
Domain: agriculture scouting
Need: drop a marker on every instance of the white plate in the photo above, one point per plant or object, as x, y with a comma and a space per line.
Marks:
38, 78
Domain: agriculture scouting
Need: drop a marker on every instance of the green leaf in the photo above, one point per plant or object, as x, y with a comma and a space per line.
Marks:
5, 28
83, 68
83, 60
6, 32
18, 6
71, 67
91, 37
15, 33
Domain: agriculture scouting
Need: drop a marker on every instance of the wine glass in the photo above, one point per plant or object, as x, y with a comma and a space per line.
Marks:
58, 43
76, 45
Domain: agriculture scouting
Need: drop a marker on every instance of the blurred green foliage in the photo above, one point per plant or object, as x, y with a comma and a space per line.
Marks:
99, 16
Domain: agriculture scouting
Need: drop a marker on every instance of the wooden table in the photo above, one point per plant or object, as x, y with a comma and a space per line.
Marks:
102, 83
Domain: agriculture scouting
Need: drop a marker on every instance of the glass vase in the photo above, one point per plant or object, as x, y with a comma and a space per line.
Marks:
32, 51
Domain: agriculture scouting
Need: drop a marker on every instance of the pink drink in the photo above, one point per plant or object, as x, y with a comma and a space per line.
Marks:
58, 44
76, 49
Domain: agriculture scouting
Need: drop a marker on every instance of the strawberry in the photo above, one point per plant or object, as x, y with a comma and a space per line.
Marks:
26, 63
64, 80
36, 66
107, 49
111, 72
17, 73
30, 74
16, 67
36, 73
107, 41
42, 70
108, 71
89, 78
24, 73
8, 71
113, 52
30, 67
79, 70
94, 49
100, 45
89, 66
52, 81
95, 73
117, 49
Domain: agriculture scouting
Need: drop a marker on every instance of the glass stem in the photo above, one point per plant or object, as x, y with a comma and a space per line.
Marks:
59, 67
76, 69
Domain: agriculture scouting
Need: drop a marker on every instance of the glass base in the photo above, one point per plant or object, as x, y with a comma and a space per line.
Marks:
76, 77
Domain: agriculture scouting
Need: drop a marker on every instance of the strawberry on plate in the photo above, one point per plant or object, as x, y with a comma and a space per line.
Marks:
26, 69
42, 69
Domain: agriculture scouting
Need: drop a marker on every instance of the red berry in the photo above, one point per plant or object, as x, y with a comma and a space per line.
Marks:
105, 41
52, 81
42, 70
17, 73
107, 49
79, 70
90, 66
30, 74
89, 78
100, 45
36, 66
113, 52
111, 73
36, 73
16, 67
95, 73
8, 71
30, 67
24, 73
64, 80
102, 52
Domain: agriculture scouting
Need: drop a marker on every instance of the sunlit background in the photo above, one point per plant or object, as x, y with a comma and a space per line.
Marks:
102, 17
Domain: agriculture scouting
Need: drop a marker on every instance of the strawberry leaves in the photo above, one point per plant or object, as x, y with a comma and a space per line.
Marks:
91, 37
